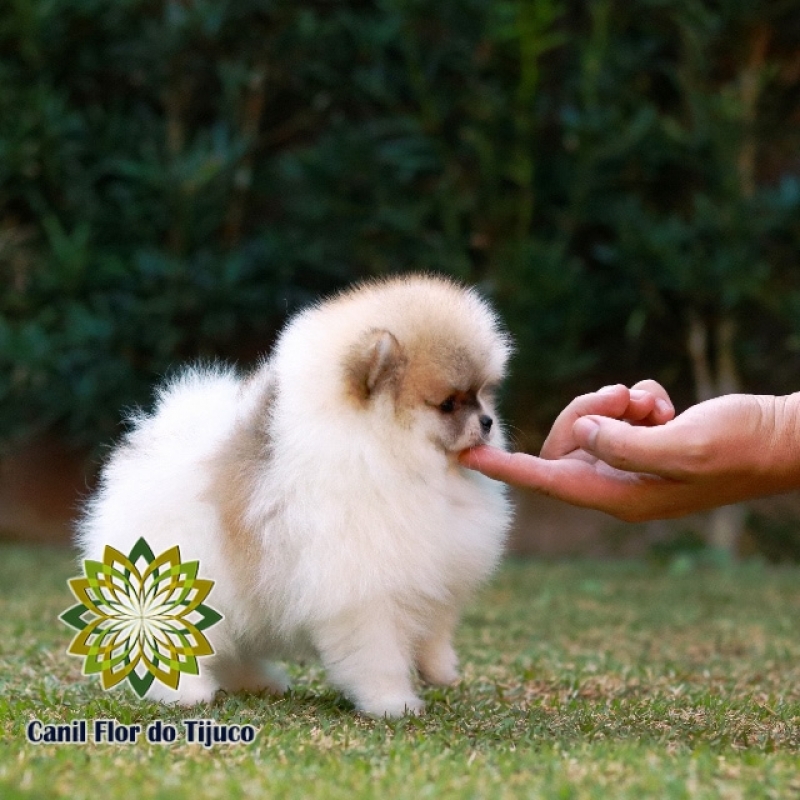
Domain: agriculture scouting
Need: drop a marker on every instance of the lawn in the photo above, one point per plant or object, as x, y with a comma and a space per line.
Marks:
581, 680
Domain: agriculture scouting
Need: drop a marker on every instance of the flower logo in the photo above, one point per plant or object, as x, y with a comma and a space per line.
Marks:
140, 617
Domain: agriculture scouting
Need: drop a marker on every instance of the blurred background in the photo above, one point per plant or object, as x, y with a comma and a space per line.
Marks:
620, 177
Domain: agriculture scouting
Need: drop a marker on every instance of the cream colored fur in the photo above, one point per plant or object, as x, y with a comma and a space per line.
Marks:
322, 493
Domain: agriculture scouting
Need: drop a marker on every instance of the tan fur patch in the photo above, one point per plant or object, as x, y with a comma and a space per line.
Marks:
236, 470
436, 370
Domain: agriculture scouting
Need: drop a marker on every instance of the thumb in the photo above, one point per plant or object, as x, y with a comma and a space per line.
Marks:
631, 448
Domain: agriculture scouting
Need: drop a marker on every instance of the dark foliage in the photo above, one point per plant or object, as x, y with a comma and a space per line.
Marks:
175, 176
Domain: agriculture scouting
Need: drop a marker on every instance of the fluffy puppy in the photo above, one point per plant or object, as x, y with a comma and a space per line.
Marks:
322, 493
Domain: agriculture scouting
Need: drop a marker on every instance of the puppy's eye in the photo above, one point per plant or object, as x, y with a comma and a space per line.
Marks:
449, 405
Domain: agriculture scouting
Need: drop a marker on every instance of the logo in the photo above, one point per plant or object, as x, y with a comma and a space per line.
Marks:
140, 618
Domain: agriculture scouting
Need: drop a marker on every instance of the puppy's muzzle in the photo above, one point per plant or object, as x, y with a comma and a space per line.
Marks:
485, 422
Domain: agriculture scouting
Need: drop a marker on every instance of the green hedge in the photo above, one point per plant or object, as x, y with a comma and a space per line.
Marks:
176, 176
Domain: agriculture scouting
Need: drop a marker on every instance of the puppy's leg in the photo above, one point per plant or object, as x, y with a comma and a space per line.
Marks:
437, 661
367, 656
252, 676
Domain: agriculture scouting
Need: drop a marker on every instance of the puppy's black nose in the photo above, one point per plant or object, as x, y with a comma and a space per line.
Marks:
486, 423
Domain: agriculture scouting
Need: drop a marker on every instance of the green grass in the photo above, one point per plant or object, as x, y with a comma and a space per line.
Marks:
580, 681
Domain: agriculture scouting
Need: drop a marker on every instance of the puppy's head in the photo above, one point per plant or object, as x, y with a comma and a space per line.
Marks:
433, 369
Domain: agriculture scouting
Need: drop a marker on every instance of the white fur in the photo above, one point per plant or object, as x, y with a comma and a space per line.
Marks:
368, 539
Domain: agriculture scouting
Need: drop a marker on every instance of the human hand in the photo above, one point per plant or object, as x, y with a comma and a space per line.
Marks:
645, 403
622, 452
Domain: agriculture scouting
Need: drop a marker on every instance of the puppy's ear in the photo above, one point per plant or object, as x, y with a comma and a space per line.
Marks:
374, 363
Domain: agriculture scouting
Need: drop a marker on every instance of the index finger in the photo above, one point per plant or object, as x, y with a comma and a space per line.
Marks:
622, 494
610, 401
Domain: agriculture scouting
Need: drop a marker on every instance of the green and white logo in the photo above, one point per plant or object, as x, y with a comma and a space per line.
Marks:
140, 617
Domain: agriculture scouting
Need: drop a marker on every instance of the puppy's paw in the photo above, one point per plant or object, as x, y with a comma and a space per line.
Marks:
443, 677
253, 677
438, 664
392, 707
192, 690
276, 680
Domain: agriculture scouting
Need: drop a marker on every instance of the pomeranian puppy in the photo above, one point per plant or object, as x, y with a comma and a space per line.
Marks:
322, 493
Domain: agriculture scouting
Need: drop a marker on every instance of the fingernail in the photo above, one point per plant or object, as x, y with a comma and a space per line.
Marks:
663, 407
585, 431
608, 389
638, 394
